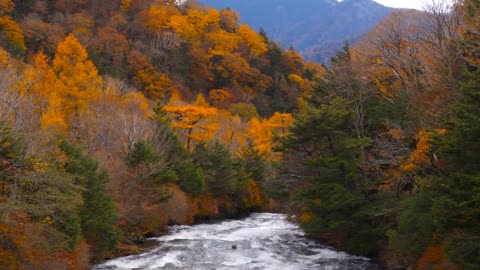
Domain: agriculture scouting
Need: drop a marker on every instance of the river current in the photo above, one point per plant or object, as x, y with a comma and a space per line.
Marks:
261, 241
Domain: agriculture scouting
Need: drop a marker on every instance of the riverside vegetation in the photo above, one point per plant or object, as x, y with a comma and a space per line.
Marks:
118, 118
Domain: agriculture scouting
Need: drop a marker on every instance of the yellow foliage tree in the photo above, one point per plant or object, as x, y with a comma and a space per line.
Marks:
229, 20
159, 16
154, 84
280, 122
193, 120
10, 27
253, 40
421, 153
54, 116
261, 133
49, 87
77, 73
298, 80
69, 85
6, 6
192, 26
316, 69
220, 97
221, 42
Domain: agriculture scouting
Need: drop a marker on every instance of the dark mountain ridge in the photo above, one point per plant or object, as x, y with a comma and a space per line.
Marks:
316, 28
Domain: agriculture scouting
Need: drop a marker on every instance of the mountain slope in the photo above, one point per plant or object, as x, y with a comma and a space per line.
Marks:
317, 28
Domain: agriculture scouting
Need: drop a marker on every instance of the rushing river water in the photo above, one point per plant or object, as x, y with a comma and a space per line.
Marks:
261, 241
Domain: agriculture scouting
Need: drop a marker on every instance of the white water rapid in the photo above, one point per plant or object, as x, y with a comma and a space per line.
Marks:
261, 241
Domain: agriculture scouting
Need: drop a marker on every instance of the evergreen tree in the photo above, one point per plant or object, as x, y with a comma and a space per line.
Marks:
223, 174
446, 209
325, 153
189, 175
449, 199
163, 159
254, 162
98, 217
456, 202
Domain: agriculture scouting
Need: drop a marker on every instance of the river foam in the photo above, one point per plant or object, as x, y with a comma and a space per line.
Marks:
262, 241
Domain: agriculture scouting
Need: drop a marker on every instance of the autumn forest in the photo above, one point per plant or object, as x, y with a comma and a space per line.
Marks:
121, 117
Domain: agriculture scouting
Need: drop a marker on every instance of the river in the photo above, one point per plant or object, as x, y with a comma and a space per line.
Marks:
261, 241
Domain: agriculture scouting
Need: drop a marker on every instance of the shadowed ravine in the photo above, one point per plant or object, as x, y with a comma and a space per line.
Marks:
261, 241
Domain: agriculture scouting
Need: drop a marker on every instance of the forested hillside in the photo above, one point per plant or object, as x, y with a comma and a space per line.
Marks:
121, 117
315, 28
386, 146
118, 118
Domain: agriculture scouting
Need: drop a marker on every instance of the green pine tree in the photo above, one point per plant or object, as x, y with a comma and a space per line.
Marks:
448, 203
223, 174
325, 154
98, 216
456, 191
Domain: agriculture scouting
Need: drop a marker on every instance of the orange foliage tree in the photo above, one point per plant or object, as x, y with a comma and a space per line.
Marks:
77, 73
262, 133
10, 27
69, 85
192, 119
